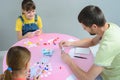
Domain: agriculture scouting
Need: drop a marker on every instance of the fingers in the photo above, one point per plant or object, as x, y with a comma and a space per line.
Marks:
29, 34
38, 32
61, 44
36, 78
62, 51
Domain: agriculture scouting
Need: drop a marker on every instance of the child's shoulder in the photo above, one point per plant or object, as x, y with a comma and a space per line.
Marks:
20, 18
38, 17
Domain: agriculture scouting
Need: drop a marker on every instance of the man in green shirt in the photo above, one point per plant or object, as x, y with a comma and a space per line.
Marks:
106, 63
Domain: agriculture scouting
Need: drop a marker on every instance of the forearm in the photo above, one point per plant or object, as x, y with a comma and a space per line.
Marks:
19, 35
22, 37
79, 73
91, 74
40, 30
82, 43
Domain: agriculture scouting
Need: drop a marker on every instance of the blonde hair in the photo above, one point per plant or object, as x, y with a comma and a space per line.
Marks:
16, 59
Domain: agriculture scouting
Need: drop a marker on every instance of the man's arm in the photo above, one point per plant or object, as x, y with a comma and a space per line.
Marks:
86, 42
82, 75
93, 72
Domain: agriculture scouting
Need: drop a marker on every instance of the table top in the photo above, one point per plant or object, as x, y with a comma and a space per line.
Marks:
46, 56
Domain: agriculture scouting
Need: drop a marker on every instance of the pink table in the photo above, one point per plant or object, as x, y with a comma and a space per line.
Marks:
56, 68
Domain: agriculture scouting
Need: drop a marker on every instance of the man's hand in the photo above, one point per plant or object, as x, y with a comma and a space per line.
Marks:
64, 44
66, 58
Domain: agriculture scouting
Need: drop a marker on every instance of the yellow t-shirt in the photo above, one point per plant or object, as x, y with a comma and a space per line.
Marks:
19, 23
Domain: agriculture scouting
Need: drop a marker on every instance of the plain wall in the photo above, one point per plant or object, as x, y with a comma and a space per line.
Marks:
58, 16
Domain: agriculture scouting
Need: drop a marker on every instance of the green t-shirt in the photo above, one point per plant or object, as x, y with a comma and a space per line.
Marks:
108, 54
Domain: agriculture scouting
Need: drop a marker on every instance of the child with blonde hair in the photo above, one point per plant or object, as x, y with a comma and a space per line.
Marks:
18, 62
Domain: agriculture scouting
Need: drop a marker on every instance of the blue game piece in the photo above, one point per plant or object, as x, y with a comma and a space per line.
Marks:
47, 52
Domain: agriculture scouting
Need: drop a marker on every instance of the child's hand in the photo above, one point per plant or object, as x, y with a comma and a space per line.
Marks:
36, 78
30, 34
38, 32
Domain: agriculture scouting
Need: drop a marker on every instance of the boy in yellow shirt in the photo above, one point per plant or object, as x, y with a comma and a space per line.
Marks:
28, 24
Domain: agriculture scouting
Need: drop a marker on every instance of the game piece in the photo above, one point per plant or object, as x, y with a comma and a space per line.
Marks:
47, 52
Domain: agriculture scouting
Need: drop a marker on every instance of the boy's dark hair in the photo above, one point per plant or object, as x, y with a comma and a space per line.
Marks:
92, 15
28, 5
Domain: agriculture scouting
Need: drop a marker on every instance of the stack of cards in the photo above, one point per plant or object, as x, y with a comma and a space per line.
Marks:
39, 68
78, 51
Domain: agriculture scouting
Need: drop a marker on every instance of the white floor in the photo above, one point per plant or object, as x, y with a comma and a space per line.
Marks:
2, 53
